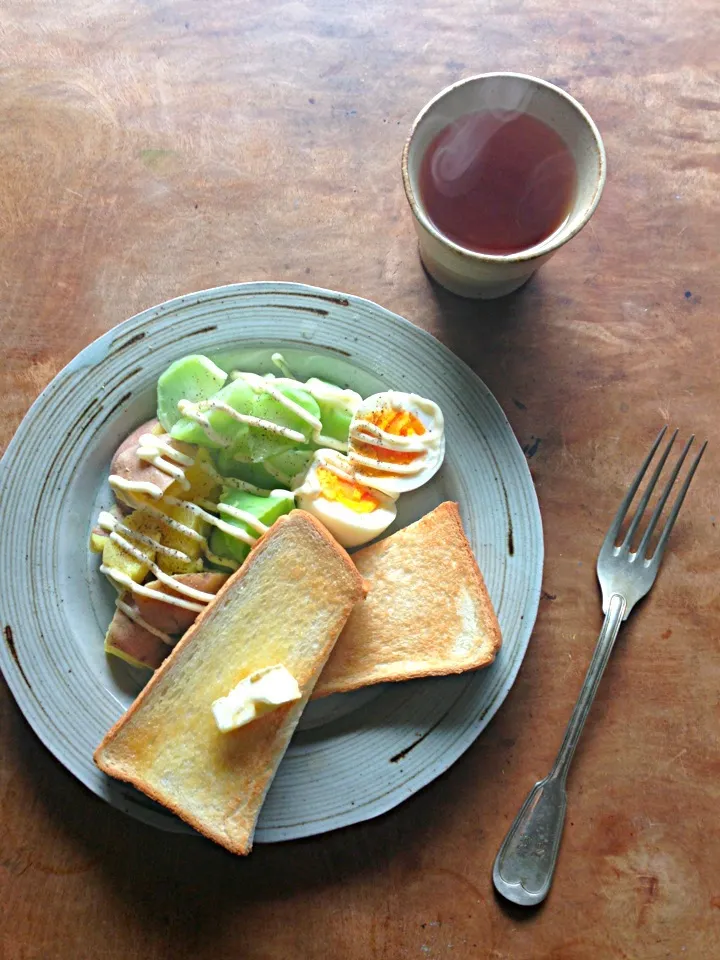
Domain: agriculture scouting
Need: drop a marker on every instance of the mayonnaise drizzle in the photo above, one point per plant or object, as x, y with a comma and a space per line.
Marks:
189, 532
163, 446
387, 466
364, 431
158, 451
228, 528
234, 484
368, 432
348, 399
279, 360
263, 385
192, 411
173, 523
339, 465
250, 519
124, 580
133, 615
260, 423
331, 442
336, 468
108, 522
195, 411
163, 577
122, 485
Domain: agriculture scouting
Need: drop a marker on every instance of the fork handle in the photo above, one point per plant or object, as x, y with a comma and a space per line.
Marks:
525, 863
603, 648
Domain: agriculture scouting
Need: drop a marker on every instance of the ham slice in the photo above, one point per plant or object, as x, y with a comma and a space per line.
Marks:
126, 463
133, 643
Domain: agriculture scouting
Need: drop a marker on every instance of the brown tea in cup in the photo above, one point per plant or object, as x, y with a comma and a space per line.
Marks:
498, 181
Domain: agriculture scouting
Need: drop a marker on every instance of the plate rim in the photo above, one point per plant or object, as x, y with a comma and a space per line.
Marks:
98, 349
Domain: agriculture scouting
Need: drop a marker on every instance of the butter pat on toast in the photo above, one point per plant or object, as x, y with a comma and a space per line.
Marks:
286, 605
427, 612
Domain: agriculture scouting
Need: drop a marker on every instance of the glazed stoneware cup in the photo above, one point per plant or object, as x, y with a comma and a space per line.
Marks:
484, 275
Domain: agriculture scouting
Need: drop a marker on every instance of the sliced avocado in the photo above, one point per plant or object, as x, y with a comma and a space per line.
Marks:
266, 509
286, 466
334, 414
236, 394
263, 443
193, 378
224, 546
254, 473
335, 421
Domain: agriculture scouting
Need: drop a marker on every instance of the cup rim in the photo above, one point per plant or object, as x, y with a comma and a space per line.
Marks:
530, 253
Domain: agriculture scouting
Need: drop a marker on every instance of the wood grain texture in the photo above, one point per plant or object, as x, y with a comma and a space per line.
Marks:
150, 149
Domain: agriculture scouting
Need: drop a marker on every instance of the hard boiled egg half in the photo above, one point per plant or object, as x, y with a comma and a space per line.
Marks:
397, 441
353, 512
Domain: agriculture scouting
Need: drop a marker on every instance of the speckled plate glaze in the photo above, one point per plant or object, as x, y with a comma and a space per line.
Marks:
356, 755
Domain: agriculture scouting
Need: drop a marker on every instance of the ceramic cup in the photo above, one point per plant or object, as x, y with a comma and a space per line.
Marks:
483, 275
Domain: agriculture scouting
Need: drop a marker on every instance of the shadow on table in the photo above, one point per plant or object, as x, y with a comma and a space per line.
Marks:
494, 337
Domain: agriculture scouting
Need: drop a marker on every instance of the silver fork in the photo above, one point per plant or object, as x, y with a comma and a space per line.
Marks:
525, 863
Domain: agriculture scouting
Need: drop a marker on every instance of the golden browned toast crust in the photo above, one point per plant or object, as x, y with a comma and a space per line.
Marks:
288, 601
427, 613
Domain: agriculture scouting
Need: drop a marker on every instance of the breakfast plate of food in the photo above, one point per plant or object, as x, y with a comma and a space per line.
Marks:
272, 559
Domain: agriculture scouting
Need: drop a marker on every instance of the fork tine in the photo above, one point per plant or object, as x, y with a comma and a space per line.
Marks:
657, 556
622, 510
648, 493
642, 548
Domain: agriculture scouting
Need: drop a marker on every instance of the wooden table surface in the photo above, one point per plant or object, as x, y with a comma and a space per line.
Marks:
150, 149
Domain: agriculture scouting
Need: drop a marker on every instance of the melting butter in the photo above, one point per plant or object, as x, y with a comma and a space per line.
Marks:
259, 693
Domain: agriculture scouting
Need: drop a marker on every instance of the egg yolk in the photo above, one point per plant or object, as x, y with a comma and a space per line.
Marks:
399, 423
350, 495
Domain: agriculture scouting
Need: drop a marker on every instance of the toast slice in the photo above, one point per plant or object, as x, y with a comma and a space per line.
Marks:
427, 612
286, 605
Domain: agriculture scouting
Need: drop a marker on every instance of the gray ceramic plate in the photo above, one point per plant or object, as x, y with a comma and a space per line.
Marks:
356, 755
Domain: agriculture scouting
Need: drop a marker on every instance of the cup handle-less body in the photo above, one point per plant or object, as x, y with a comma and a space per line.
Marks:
485, 276
449, 269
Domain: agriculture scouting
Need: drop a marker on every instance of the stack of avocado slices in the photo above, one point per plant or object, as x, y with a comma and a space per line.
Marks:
259, 457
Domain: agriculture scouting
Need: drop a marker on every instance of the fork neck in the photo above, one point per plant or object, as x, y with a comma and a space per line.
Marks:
616, 607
